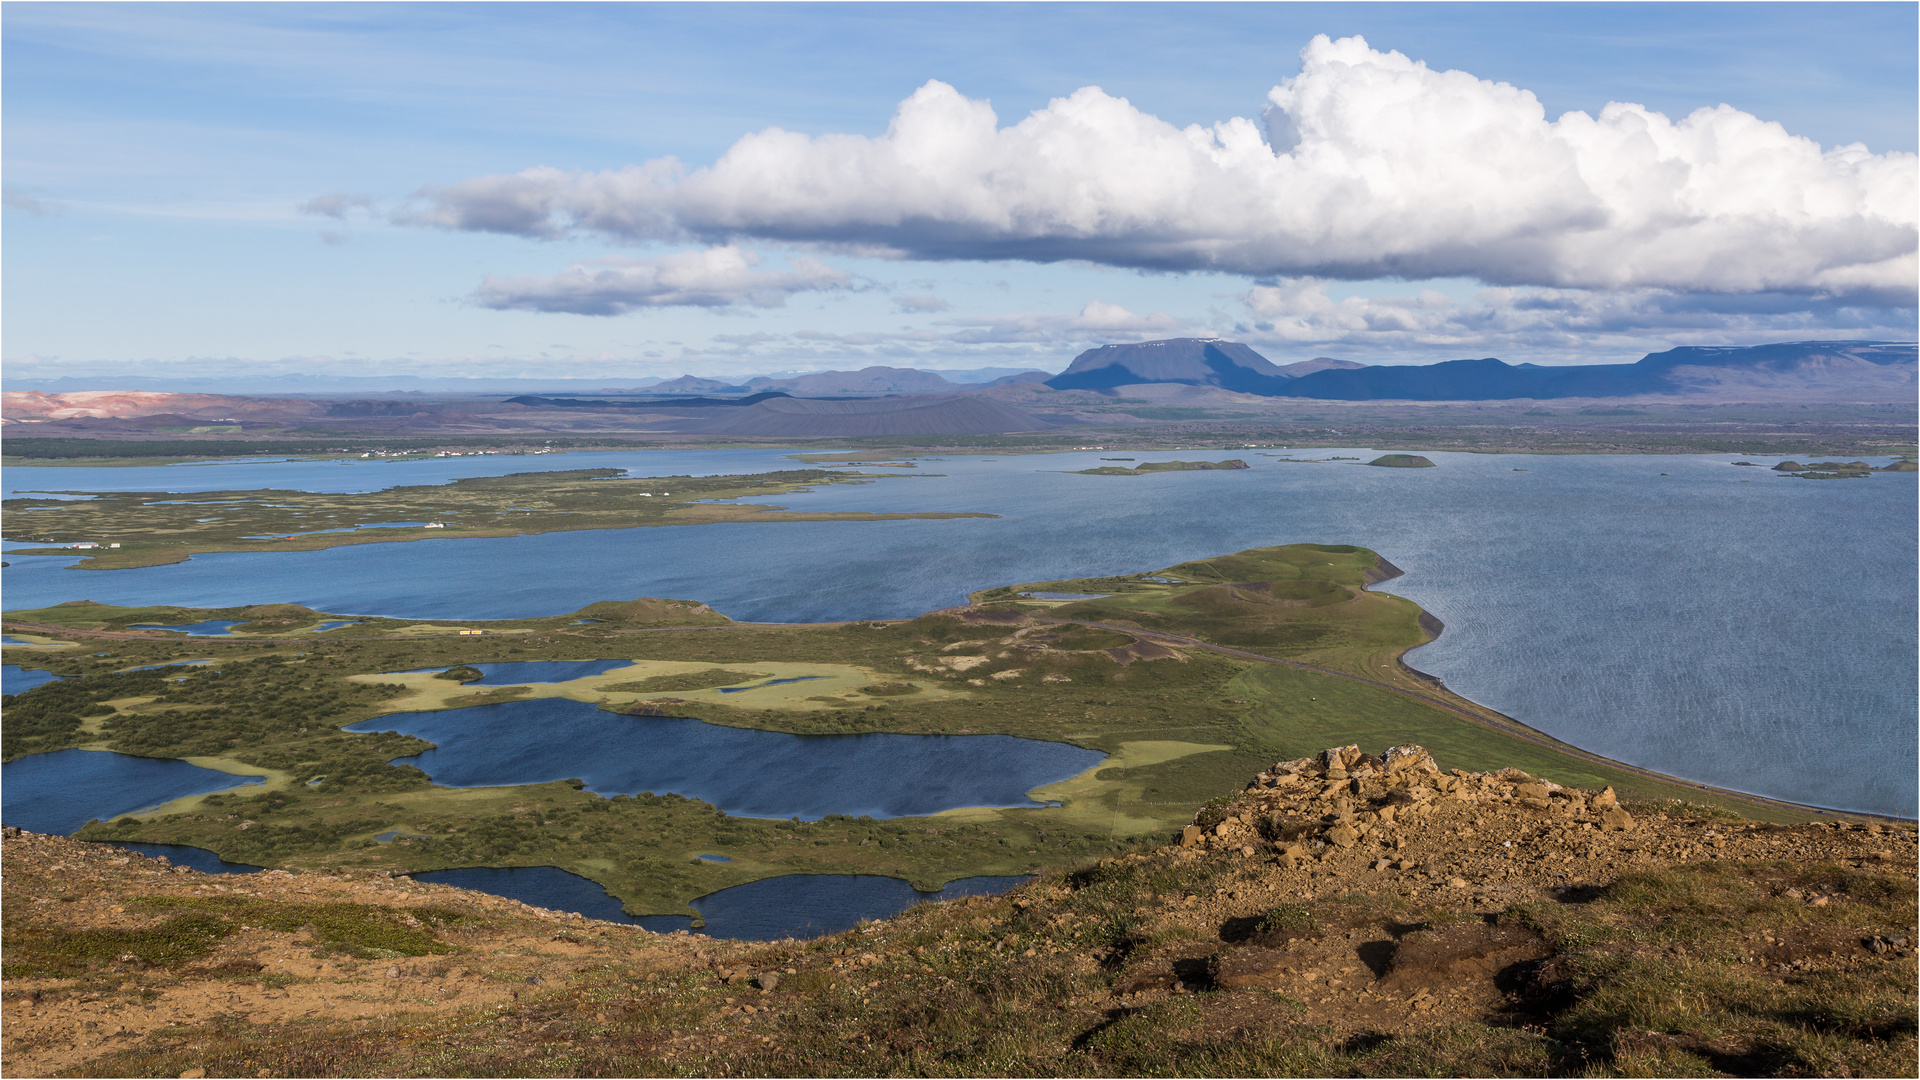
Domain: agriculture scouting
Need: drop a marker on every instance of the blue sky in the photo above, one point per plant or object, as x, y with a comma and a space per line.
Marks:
197, 189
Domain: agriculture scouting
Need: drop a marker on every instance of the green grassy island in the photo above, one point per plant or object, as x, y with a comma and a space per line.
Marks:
128, 529
1163, 466
1190, 678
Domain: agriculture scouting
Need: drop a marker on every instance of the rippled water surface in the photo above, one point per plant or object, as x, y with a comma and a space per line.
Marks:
1709, 621
61, 791
740, 770
15, 679
793, 905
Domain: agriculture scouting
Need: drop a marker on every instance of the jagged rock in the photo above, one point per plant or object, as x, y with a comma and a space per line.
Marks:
1402, 759
1190, 835
1343, 836
1338, 759
1617, 818
1606, 800
1538, 792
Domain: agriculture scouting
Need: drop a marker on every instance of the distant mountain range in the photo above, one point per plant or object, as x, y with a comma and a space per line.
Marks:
1819, 370
869, 380
1228, 365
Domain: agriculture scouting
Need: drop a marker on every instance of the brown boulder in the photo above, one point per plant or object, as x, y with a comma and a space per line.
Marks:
1410, 759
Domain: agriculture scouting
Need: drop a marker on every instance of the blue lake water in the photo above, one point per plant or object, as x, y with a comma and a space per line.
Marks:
526, 672
1672, 621
350, 476
199, 858
333, 625
15, 679
543, 671
769, 682
743, 772
210, 628
794, 905
61, 791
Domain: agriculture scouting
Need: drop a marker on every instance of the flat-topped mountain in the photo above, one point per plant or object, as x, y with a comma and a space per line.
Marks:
1802, 371
1193, 361
1864, 371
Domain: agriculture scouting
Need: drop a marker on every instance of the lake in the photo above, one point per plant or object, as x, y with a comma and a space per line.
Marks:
15, 679
1673, 612
748, 773
793, 905
199, 858
523, 672
59, 792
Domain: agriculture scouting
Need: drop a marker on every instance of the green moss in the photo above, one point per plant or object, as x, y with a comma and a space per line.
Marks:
38, 951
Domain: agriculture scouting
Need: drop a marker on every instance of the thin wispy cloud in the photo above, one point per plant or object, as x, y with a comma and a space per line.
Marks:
713, 278
16, 199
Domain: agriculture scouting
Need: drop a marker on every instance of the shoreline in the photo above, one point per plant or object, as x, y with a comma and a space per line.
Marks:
1453, 703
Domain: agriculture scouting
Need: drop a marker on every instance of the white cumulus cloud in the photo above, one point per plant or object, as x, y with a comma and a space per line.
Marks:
1367, 164
1550, 324
1097, 320
613, 285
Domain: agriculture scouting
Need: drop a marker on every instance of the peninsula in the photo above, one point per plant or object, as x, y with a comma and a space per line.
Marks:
120, 530
1186, 677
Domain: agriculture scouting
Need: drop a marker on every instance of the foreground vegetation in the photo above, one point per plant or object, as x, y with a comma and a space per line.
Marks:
1189, 678
1348, 915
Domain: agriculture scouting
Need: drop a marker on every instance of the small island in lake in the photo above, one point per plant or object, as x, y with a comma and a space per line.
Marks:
1161, 466
1401, 461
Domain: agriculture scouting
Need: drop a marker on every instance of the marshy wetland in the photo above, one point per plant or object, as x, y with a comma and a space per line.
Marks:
1171, 684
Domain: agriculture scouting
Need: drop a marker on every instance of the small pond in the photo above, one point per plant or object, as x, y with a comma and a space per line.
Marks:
523, 672
814, 905
769, 682
59, 792
742, 771
210, 628
199, 858
325, 626
15, 679
1065, 595
794, 905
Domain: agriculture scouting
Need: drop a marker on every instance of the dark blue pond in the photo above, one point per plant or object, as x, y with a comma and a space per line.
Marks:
814, 905
15, 679
769, 682
9, 639
210, 628
61, 791
522, 672
325, 626
743, 772
197, 857
794, 905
